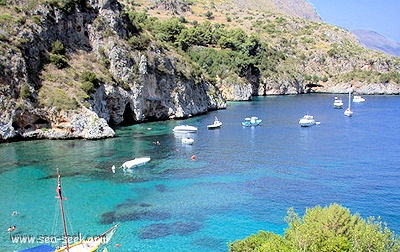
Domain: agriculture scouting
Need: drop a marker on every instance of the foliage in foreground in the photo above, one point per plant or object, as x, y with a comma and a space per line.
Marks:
331, 228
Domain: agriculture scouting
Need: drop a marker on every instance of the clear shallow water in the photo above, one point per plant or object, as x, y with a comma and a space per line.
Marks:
243, 179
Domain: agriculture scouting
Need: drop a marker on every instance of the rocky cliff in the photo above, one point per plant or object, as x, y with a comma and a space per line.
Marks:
299, 52
156, 84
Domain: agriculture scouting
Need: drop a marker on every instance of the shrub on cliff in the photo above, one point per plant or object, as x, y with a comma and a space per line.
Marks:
331, 228
89, 82
58, 48
57, 55
25, 92
60, 61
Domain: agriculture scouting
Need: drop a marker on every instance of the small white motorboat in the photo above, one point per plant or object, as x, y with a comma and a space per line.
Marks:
358, 98
307, 121
185, 129
217, 124
338, 103
187, 140
135, 162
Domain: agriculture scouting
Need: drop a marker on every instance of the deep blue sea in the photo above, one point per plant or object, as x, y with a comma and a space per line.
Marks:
243, 179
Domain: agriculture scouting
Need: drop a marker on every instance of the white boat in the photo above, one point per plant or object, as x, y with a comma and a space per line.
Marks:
217, 124
358, 98
83, 245
348, 111
187, 140
135, 162
251, 121
338, 103
307, 121
185, 129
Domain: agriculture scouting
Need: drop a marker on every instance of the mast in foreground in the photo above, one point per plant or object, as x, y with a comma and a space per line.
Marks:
59, 196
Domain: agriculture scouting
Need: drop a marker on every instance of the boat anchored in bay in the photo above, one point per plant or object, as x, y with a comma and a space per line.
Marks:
358, 98
348, 111
135, 162
251, 121
307, 121
337, 103
185, 129
217, 124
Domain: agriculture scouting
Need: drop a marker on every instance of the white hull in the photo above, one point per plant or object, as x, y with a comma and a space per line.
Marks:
135, 162
348, 112
358, 98
188, 140
185, 129
307, 121
338, 103
214, 125
90, 245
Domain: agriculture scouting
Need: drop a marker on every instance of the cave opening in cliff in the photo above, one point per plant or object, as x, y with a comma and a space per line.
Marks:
309, 87
128, 116
41, 123
16, 125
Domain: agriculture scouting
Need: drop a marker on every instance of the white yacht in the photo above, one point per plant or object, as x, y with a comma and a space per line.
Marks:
348, 111
358, 98
338, 103
307, 121
217, 124
185, 129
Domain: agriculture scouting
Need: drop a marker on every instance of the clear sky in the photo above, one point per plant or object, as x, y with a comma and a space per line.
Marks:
381, 16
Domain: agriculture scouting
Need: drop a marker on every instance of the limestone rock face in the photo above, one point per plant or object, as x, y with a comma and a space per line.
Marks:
367, 89
40, 123
147, 85
236, 91
159, 84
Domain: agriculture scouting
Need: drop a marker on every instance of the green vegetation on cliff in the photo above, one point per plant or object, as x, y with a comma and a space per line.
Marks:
219, 40
267, 45
328, 229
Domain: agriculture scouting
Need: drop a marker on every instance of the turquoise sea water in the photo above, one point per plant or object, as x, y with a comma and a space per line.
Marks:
242, 181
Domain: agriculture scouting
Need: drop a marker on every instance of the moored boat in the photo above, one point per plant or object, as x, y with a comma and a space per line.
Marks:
217, 124
358, 98
187, 140
251, 121
307, 121
185, 129
135, 162
348, 111
338, 103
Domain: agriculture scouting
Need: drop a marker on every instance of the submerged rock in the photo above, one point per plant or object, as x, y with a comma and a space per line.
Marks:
159, 230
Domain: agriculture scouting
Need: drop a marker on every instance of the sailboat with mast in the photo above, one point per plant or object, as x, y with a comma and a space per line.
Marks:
84, 245
348, 111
